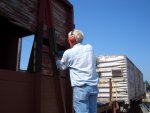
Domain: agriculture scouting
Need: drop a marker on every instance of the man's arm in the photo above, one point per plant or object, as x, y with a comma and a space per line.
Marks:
61, 64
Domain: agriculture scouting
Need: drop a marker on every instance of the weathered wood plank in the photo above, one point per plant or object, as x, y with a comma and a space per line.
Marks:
20, 12
113, 95
107, 90
60, 17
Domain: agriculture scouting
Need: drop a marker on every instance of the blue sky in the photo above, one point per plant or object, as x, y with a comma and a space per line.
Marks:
112, 27
117, 27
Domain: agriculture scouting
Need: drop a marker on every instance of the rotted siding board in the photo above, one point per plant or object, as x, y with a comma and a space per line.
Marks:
62, 21
20, 12
59, 18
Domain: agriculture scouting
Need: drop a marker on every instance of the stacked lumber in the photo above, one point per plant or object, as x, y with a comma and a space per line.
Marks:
120, 80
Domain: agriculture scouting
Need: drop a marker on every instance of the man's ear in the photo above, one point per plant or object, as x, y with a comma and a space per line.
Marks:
72, 39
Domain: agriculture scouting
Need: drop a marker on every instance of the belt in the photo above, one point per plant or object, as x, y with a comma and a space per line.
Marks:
81, 85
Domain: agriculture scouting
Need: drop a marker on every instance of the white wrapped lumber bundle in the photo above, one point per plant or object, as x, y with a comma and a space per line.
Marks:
119, 79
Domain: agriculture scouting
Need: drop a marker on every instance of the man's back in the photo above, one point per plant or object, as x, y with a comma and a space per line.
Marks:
82, 64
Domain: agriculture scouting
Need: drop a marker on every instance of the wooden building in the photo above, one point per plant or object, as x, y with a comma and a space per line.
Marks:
42, 88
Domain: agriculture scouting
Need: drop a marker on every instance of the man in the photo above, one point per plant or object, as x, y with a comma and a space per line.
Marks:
81, 62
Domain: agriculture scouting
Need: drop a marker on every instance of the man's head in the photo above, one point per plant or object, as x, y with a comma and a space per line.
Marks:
74, 37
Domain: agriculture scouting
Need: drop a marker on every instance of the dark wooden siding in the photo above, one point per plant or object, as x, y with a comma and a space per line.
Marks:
37, 92
20, 12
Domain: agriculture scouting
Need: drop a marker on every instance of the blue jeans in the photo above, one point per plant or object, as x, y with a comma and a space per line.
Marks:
85, 99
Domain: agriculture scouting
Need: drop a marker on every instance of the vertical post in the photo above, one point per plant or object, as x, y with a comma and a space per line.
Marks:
19, 54
110, 89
